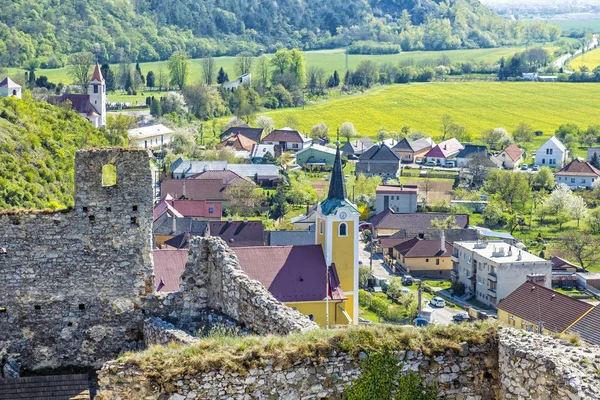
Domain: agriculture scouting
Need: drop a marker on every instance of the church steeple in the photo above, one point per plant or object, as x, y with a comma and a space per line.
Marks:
97, 75
337, 186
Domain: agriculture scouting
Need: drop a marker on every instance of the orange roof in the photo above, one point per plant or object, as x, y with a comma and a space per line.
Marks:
239, 142
579, 168
514, 152
97, 75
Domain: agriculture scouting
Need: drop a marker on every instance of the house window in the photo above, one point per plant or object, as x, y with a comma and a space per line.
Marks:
572, 180
552, 161
437, 261
343, 230
427, 260
211, 210
294, 145
321, 227
543, 161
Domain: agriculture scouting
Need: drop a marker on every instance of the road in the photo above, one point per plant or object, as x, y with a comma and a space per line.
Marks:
379, 269
560, 62
443, 316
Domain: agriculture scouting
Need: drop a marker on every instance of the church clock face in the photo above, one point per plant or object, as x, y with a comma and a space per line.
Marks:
343, 215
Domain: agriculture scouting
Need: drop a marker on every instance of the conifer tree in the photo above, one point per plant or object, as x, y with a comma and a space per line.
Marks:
595, 161
155, 108
150, 80
221, 76
139, 71
336, 78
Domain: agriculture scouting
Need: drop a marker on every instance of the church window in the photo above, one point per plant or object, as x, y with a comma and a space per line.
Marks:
95, 88
321, 227
343, 229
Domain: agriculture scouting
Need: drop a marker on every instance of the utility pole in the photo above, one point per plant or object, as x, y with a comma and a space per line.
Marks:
347, 47
327, 298
201, 134
419, 294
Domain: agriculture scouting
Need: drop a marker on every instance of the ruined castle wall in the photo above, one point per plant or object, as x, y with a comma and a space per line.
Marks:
73, 280
214, 279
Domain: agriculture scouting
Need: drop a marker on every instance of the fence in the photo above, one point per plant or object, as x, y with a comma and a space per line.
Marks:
429, 174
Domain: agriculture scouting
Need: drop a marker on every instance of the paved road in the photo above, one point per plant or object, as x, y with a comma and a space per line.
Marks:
379, 270
443, 316
560, 62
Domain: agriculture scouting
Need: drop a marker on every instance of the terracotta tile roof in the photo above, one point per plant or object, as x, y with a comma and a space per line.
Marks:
290, 273
559, 263
514, 152
164, 207
388, 242
238, 142
209, 189
445, 149
168, 267
253, 134
396, 189
579, 168
588, 327
54, 387
285, 135
535, 303
418, 248
388, 219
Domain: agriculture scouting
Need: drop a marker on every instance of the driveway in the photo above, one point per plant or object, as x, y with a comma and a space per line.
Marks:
443, 316
379, 269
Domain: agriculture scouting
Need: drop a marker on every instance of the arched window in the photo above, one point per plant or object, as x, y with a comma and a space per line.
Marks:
321, 228
343, 229
109, 175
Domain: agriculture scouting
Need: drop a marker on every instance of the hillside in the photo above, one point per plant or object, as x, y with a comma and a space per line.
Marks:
43, 32
37, 148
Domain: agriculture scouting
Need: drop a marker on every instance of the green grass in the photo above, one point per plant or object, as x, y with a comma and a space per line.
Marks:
329, 60
477, 105
590, 59
590, 25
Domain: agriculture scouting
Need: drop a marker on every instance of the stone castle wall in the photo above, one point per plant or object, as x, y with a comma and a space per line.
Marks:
73, 280
513, 365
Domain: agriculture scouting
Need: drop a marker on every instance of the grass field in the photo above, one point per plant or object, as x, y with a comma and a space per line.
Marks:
329, 60
477, 105
591, 59
590, 25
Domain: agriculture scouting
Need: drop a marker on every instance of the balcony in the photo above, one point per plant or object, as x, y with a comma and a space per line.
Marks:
492, 277
491, 293
454, 258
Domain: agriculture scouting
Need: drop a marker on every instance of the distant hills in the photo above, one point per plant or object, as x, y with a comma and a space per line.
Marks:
40, 33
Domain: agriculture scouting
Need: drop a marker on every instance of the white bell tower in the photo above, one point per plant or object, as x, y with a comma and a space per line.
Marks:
97, 93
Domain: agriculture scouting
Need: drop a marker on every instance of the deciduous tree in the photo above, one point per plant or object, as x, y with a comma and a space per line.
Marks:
243, 63
80, 69
208, 70
580, 246
179, 65
347, 131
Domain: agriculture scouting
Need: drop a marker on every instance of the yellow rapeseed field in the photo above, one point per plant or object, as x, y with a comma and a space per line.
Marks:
591, 59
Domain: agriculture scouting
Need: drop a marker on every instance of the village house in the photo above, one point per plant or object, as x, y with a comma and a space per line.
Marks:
245, 80
444, 151
265, 175
10, 88
552, 154
357, 146
91, 106
289, 139
150, 137
208, 186
240, 144
587, 327
424, 258
260, 150
469, 151
379, 160
492, 270
564, 273
315, 156
400, 198
290, 238
196, 209
535, 308
388, 222
254, 134
411, 151
509, 158
577, 174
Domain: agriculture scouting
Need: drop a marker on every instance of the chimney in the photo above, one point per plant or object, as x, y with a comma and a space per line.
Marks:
443, 242
509, 251
519, 257
174, 224
183, 190
245, 219
229, 219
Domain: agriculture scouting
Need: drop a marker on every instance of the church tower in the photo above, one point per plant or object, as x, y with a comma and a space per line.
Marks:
337, 222
97, 93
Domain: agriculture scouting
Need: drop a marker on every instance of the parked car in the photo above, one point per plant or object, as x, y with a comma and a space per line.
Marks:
352, 157
524, 167
420, 322
462, 317
430, 164
362, 320
450, 164
535, 168
407, 280
438, 302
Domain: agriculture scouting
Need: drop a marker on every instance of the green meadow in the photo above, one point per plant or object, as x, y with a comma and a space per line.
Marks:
329, 60
589, 25
478, 106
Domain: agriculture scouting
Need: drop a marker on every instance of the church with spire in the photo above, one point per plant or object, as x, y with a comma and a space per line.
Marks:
92, 105
336, 231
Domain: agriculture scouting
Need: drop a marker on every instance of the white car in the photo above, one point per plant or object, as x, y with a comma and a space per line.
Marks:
438, 302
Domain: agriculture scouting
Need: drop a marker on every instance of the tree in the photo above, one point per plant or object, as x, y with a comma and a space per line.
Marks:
262, 72
280, 206
204, 101
577, 208
162, 79
150, 80
80, 69
565, 205
116, 129
566, 131
447, 121
511, 187
382, 134
174, 103
379, 307
493, 215
298, 67
180, 144
496, 138
425, 186
319, 131
242, 199
244, 103
179, 65
446, 223
155, 108
138, 69
593, 221
316, 80
347, 131
364, 274
523, 133
479, 167
208, 70
265, 122
243, 63
221, 76
581, 246
595, 161
544, 179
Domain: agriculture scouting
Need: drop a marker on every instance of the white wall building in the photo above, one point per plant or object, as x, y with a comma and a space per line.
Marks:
150, 137
552, 154
10, 88
400, 198
492, 270
245, 79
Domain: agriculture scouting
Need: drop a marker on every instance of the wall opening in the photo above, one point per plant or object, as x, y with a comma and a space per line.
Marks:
134, 208
92, 218
37, 308
109, 175
82, 307
134, 221
109, 209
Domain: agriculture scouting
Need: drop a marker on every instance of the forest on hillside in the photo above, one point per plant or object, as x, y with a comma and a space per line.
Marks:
42, 33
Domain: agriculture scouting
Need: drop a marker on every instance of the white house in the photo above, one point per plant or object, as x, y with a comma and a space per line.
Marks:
578, 174
444, 151
245, 79
10, 88
492, 270
552, 154
400, 198
509, 158
150, 137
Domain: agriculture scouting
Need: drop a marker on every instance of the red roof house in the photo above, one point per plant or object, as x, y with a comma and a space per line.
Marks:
444, 151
